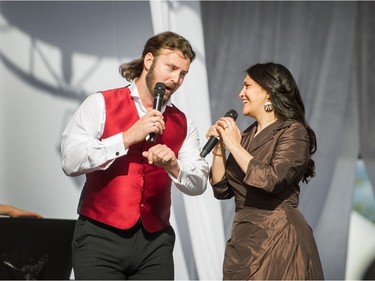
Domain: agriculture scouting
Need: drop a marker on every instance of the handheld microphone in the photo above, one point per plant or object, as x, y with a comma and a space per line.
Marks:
214, 140
159, 92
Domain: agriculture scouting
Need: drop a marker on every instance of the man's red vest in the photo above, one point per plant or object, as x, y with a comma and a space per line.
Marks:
131, 188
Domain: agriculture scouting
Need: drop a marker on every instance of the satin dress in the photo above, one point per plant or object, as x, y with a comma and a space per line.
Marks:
270, 238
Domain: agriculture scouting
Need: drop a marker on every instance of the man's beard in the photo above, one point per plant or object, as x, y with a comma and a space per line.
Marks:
151, 82
150, 78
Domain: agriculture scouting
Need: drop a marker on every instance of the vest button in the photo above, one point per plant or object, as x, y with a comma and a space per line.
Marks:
142, 205
117, 153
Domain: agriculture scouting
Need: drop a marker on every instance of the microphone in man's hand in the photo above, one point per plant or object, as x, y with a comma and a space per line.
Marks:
159, 92
214, 140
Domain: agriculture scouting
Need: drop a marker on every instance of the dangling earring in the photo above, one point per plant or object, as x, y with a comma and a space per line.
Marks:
268, 106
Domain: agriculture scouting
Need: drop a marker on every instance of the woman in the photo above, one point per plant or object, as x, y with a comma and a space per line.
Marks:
270, 239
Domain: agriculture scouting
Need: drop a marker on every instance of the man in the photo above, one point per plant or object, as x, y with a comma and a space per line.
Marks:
123, 230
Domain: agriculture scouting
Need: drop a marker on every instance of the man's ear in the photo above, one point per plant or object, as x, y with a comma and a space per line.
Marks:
148, 60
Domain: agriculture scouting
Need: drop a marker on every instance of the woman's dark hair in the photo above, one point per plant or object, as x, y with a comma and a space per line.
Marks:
286, 100
165, 40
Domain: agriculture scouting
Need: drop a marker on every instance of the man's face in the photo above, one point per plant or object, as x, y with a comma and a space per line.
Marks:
169, 67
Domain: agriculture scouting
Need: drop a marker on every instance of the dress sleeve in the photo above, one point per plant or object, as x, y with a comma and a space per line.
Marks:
221, 189
287, 164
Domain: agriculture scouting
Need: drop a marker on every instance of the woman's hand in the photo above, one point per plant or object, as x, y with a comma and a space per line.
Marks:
229, 133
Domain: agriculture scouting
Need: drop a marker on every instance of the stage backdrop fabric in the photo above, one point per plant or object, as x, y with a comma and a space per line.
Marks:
53, 54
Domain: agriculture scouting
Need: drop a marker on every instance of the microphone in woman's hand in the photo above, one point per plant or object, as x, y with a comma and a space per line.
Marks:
214, 140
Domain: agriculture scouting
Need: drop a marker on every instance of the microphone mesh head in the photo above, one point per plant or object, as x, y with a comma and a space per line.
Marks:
159, 85
232, 113
159, 89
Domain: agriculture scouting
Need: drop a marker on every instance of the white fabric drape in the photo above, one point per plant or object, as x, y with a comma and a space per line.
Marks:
197, 220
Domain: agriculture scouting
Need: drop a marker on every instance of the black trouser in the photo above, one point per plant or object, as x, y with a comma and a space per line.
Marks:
103, 252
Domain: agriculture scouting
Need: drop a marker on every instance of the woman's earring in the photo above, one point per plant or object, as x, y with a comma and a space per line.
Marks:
268, 106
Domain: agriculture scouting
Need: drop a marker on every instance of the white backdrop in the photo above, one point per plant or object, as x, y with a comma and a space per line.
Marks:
54, 54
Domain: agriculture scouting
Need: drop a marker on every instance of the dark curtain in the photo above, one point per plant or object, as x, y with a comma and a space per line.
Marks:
329, 48
366, 83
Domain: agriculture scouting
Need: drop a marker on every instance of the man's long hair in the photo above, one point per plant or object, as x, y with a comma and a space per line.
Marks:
165, 40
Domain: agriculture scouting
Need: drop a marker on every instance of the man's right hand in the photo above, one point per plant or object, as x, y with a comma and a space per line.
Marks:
152, 122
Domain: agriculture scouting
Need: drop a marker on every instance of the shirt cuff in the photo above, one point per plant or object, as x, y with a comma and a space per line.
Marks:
115, 146
179, 176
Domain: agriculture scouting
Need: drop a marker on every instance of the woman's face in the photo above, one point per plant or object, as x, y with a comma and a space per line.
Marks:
253, 98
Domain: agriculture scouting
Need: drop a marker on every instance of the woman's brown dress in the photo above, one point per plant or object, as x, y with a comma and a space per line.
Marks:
270, 238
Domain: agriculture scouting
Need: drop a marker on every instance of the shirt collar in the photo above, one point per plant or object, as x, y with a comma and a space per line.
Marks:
135, 95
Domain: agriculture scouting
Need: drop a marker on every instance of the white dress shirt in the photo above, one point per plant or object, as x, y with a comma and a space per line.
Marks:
83, 152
